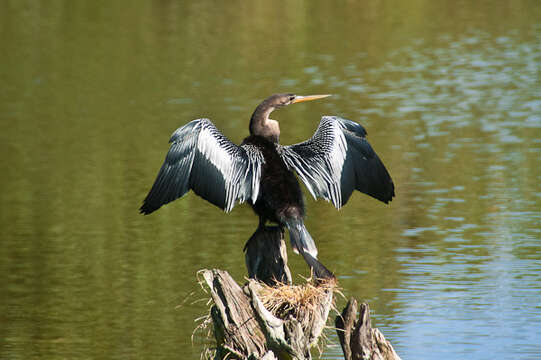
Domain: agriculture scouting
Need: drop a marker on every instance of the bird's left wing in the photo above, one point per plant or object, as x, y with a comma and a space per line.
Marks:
201, 158
337, 160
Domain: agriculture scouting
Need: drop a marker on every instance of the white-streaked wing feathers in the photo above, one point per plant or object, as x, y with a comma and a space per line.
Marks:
201, 158
337, 160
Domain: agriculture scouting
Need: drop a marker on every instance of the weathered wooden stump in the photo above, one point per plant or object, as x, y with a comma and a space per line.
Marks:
268, 318
258, 321
236, 330
357, 337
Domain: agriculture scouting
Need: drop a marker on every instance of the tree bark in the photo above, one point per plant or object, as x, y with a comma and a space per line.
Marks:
245, 329
236, 331
357, 337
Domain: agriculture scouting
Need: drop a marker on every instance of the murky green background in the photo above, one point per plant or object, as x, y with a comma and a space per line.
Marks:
449, 91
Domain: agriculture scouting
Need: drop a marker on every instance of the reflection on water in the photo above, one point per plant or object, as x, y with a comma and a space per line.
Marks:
470, 255
450, 99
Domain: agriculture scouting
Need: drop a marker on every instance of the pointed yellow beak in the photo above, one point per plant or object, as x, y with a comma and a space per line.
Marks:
299, 99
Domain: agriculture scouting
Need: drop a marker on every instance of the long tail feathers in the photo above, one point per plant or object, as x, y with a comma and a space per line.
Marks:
300, 238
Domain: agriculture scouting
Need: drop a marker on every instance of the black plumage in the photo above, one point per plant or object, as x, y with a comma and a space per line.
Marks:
335, 161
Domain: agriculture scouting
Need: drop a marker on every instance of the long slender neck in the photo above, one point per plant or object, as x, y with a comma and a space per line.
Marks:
261, 125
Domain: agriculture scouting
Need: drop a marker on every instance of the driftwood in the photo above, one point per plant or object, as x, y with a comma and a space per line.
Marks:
268, 318
236, 331
357, 337
245, 329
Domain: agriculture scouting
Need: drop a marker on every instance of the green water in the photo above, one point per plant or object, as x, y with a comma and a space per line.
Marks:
449, 92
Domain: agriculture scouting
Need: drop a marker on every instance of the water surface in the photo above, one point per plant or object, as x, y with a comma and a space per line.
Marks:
448, 91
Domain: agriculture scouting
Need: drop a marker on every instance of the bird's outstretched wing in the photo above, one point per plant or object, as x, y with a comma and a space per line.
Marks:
337, 160
201, 158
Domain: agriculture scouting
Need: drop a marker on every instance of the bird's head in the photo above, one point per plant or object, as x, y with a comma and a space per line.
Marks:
260, 124
277, 101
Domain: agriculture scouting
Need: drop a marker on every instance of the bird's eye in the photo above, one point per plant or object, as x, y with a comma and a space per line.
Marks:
291, 98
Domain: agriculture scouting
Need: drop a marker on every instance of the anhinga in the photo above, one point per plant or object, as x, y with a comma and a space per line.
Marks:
334, 162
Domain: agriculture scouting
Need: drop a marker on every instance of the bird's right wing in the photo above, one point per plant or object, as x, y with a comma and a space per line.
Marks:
201, 158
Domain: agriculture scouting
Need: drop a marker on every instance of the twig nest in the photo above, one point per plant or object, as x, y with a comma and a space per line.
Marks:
297, 301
